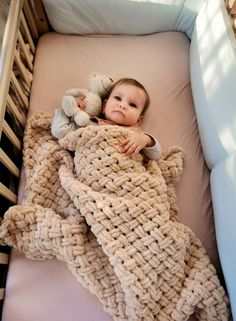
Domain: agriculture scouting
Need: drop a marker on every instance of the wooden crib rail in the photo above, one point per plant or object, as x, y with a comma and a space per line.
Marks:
231, 8
7, 54
16, 74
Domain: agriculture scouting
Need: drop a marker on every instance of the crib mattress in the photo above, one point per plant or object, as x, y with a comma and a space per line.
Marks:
47, 290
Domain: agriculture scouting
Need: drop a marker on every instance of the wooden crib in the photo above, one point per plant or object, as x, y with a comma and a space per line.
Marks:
26, 23
23, 28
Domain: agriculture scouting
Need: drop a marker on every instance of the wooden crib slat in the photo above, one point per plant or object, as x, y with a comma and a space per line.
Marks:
232, 7
19, 116
41, 16
4, 258
24, 98
2, 292
27, 32
9, 163
11, 135
233, 15
7, 53
22, 69
25, 50
27, 7
9, 195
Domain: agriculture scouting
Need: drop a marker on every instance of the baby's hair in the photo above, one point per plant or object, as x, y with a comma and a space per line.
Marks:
133, 82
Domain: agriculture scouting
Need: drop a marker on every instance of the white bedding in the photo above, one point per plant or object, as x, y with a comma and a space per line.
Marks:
122, 17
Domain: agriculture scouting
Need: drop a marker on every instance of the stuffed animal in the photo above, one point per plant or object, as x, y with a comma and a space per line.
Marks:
80, 104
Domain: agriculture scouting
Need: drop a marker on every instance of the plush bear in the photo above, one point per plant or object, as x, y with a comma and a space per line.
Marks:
80, 104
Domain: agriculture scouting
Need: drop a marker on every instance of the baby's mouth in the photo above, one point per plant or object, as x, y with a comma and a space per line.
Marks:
120, 112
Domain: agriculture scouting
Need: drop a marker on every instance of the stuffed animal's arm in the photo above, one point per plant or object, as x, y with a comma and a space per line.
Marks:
62, 124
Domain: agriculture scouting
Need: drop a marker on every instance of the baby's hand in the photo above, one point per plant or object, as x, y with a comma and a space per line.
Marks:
80, 102
135, 141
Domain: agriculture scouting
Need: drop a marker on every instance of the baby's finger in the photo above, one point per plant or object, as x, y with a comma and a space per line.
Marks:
125, 141
127, 146
137, 150
131, 150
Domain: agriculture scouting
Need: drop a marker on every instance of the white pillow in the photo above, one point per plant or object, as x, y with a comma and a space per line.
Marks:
213, 78
122, 16
223, 188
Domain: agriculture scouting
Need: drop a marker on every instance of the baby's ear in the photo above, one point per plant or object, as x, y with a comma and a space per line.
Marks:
171, 163
69, 141
140, 120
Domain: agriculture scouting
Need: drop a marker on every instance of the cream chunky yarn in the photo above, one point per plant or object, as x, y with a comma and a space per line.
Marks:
113, 220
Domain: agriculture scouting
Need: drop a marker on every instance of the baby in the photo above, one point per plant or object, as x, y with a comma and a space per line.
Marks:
125, 105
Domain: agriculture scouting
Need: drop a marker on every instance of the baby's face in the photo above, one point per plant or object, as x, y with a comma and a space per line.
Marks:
125, 105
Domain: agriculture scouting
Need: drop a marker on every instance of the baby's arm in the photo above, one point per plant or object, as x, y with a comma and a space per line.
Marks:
152, 152
137, 141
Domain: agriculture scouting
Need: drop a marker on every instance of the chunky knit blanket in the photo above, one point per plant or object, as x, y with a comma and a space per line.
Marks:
113, 220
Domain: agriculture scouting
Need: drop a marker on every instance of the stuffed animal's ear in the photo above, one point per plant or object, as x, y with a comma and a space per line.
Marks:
171, 163
99, 83
107, 83
93, 78
93, 74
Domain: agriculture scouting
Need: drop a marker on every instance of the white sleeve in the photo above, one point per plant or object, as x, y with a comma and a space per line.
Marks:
153, 152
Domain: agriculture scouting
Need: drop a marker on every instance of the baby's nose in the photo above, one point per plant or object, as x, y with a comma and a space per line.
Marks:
123, 106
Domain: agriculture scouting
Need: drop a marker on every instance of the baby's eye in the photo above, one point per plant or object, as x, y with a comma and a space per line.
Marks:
133, 105
117, 98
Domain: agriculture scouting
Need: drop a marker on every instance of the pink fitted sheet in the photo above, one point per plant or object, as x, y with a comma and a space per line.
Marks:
47, 291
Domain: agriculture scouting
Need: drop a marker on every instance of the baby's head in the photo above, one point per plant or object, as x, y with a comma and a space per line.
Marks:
131, 82
126, 102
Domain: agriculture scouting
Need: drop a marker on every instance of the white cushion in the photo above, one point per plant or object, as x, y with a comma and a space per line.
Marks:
122, 16
213, 78
223, 188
